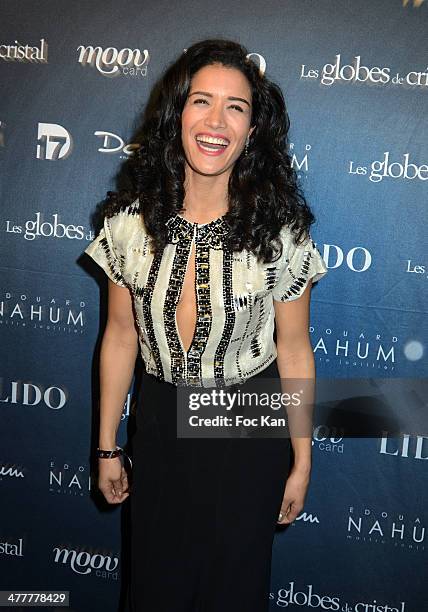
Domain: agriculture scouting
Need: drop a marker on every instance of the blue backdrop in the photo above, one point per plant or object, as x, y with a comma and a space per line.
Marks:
74, 82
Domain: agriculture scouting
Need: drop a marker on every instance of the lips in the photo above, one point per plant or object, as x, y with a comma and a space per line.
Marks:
211, 144
214, 138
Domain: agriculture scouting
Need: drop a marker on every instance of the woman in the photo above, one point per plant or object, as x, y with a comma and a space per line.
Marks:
211, 249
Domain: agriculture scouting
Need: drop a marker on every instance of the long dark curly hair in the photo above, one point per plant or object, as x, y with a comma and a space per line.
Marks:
263, 190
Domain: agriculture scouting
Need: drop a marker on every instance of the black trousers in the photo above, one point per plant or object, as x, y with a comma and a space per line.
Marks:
203, 512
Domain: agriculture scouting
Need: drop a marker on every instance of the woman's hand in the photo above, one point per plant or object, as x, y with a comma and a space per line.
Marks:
113, 480
294, 495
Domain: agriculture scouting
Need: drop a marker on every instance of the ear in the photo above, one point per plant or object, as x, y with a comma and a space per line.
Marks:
251, 130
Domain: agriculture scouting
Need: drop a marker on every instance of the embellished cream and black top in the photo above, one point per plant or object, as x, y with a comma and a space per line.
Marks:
233, 338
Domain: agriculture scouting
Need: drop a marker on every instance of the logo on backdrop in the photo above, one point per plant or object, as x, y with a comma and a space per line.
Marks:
31, 394
299, 162
114, 62
25, 53
362, 350
309, 597
327, 439
356, 259
53, 141
307, 518
413, 268
382, 527
65, 478
389, 166
356, 72
10, 471
400, 168
416, 3
259, 60
408, 447
56, 314
83, 562
112, 143
50, 227
11, 548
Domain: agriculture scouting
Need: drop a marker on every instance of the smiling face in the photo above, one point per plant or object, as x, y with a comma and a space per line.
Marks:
216, 119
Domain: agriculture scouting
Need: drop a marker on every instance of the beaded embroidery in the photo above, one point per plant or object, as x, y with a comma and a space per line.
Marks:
207, 236
233, 335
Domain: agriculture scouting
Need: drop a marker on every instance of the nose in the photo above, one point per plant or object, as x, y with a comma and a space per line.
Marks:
215, 116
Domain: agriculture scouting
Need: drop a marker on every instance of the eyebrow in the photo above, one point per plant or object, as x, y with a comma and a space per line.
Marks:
206, 93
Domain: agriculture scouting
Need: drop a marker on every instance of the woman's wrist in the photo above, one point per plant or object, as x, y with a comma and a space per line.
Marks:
302, 467
107, 443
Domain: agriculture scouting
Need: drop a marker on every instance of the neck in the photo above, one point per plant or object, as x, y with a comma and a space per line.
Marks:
205, 196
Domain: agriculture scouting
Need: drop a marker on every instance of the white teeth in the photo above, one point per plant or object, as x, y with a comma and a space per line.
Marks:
210, 140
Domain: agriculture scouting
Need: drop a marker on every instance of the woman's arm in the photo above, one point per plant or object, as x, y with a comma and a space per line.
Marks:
119, 349
296, 361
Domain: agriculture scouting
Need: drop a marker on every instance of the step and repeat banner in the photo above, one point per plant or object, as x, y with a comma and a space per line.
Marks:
75, 79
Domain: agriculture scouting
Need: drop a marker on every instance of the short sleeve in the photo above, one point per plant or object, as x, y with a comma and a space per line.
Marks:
298, 264
106, 251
